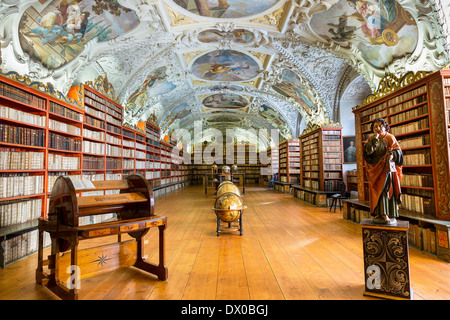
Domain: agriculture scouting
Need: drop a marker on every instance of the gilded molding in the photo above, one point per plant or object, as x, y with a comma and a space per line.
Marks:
391, 83
134, 127
327, 123
272, 19
189, 56
179, 19
102, 85
44, 88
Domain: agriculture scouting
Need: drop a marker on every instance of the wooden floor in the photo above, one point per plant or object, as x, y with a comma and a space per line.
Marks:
290, 250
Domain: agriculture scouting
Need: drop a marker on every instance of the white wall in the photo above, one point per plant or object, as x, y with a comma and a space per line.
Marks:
353, 95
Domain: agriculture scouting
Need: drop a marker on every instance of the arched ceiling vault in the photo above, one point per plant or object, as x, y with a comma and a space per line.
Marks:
225, 64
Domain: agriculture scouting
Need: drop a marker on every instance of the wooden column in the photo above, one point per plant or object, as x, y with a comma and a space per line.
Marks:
386, 260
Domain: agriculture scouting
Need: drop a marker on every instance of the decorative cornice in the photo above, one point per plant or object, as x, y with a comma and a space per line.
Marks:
44, 88
102, 85
134, 127
391, 83
325, 124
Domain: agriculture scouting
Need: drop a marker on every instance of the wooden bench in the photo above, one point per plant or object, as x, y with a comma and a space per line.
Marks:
317, 197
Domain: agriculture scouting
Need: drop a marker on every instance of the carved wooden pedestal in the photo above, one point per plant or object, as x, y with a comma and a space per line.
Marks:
386, 260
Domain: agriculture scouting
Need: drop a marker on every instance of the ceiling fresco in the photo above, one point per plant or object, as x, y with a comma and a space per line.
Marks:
236, 36
224, 64
56, 34
225, 8
271, 115
382, 31
155, 84
225, 100
290, 86
178, 113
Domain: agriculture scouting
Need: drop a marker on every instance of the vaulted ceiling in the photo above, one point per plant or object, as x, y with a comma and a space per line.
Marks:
224, 64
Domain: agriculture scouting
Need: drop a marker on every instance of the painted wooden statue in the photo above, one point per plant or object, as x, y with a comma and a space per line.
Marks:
384, 159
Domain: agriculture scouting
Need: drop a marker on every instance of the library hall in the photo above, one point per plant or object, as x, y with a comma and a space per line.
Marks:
225, 158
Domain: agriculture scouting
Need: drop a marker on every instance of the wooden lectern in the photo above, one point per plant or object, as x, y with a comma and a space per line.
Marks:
134, 206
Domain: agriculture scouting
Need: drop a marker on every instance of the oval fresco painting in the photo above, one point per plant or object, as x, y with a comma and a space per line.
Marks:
382, 30
154, 84
179, 112
271, 115
225, 100
237, 36
223, 118
225, 65
290, 86
226, 87
57, 31
226, 8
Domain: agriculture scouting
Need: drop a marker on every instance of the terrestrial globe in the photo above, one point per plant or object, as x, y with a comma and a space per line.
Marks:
225, 182
226, 170
228, 207
228, 187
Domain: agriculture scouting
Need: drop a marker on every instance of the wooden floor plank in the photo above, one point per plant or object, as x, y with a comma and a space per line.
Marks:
202, 283
179, 270
261, 280
231, 281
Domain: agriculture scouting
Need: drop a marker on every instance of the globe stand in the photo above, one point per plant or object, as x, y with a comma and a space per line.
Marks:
230, 226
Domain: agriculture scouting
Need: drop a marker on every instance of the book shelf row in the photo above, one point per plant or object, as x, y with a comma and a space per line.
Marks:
314, 161
421, 236
245, 156
322, 159
410, 112
42, 138
289, 161
418, 115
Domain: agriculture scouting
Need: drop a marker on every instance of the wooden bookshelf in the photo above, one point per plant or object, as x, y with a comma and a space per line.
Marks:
166, 163
418, 114
289, 161
153, 167
244, 156
39, 137
102, 137
352, 180
321, 165
274, 155
179, 170
140, 154
128, 151
42, 137
289, 166
269, 170
322, 159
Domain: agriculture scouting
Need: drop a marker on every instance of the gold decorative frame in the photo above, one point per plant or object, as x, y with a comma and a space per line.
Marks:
102, 85
326, 123
133, 127
44, 88
391, 83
